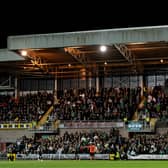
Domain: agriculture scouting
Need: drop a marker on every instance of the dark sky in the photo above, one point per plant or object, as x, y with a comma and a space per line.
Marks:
34, 19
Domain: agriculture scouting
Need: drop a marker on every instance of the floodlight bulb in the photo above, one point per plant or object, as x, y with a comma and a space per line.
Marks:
103, 48
24, 53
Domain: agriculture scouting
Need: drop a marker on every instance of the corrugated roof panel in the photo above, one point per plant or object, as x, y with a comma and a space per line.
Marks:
97, 37
6, 55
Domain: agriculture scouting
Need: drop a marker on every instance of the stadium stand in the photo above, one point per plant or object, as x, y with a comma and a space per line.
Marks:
60, 95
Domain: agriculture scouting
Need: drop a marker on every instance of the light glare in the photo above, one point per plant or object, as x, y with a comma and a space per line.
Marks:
24, 53
161, 60
103, 48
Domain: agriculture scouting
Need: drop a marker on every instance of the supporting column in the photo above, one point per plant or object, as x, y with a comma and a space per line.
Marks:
97, 85
89, 82
16, 88
55, 90
141, 84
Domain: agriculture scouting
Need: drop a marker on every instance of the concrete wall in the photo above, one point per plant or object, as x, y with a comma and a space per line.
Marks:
162, 130
123, 131
13, 135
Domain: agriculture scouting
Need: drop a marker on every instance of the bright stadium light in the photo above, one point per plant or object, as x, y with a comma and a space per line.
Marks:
161, 61
24, 53
103, 48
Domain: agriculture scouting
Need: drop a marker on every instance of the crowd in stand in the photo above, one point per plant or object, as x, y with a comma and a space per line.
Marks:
69, 143
111, 104
105, 143
155, 104
82, 104
27, 109
85, 104
148, 144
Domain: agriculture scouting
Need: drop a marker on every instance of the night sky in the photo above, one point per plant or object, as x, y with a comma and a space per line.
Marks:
34, 19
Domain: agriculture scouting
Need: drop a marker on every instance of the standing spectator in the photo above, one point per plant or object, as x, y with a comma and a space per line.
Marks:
92, 150
40, 155
77, 150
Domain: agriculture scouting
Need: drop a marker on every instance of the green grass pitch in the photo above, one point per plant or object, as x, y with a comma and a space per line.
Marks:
82, 164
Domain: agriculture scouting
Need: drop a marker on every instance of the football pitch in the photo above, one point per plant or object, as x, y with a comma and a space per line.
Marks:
82, 164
